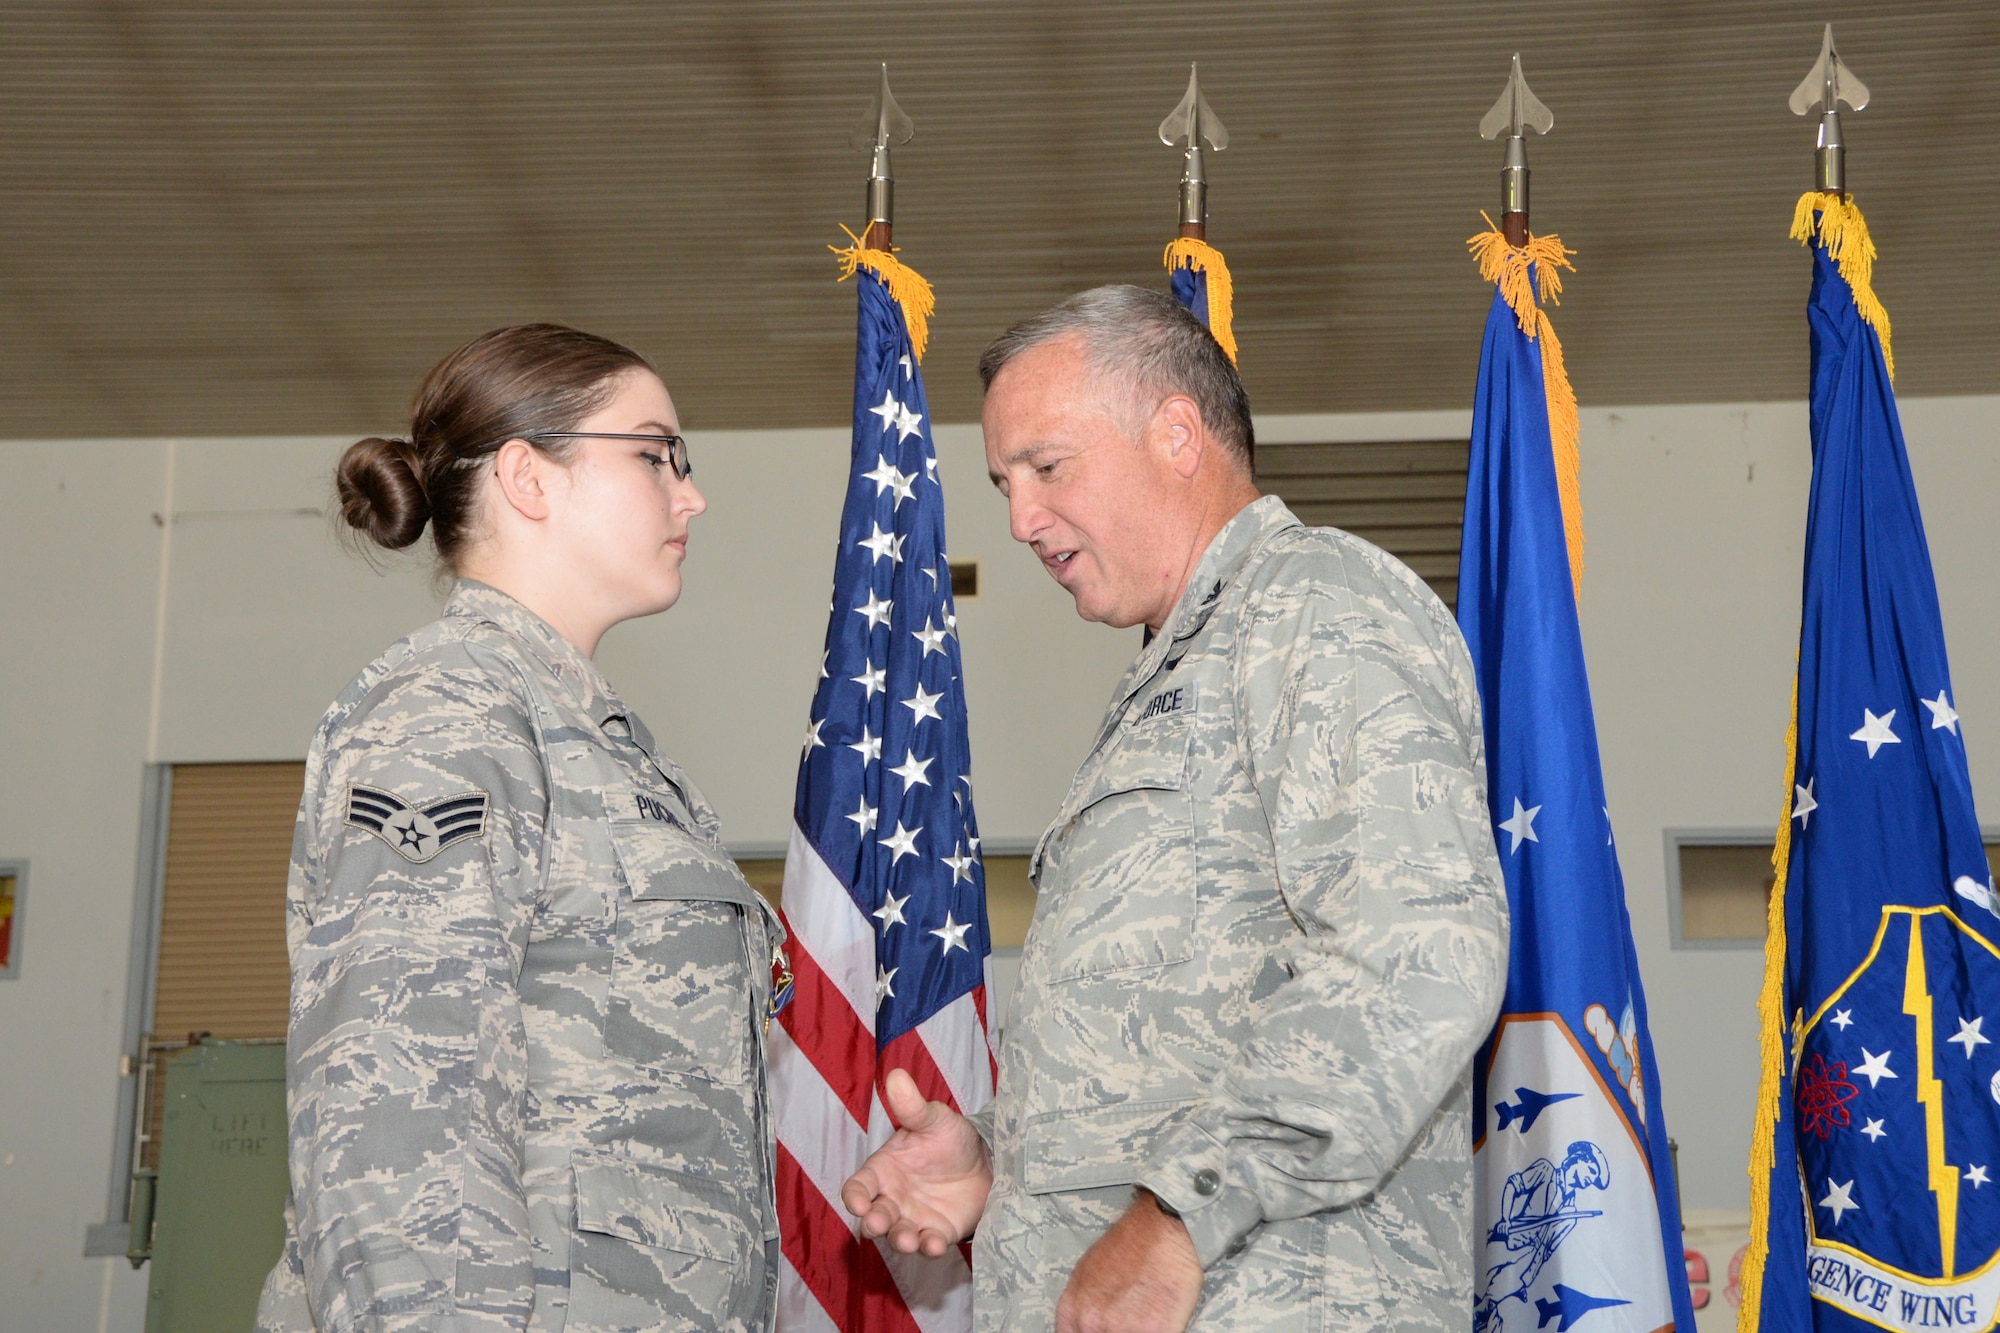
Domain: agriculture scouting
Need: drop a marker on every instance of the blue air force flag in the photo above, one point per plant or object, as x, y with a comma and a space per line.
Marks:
1578, 1227
1190, 287
1876, 1171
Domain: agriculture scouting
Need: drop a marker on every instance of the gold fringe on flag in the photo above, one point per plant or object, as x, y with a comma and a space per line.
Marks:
1187, 252
1770, 1048
1507, 265
907, 287
1839, 226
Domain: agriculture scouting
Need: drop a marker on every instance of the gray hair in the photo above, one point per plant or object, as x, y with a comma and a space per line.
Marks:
1150, 346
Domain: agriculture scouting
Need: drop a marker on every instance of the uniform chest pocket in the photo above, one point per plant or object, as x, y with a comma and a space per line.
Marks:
1125, 862
684, 989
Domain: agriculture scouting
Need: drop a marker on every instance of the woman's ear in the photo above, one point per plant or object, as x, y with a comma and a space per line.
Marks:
522, 473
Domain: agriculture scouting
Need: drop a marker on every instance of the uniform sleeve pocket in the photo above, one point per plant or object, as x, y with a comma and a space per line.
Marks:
1094, 1147
658, 1208
1126, 863
684, 988
656, 1248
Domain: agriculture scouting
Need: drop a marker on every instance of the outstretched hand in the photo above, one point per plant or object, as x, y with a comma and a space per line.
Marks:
925, 1188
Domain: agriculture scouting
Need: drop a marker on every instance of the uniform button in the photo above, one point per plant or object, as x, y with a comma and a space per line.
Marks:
1206, 1182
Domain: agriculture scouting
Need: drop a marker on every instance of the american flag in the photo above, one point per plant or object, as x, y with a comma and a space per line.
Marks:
885, 897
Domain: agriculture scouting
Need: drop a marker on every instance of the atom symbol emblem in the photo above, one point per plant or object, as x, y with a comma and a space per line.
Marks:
1824, 1093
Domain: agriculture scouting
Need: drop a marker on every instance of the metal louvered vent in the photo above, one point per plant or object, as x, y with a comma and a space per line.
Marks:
223, 970
223, 967
1407, 498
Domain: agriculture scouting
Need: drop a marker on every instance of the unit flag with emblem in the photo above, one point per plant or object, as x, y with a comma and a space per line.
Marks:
1875, 1165
1577, 1222
885, 896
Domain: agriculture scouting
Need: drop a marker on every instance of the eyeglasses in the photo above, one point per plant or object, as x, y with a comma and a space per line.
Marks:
672, 446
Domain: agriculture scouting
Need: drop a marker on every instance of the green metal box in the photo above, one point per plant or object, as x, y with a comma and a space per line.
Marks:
219, 1219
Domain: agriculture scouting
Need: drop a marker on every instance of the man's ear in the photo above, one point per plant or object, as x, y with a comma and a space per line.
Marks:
1186, 438
522, 473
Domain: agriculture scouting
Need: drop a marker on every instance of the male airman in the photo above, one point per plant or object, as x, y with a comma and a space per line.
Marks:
1271, 928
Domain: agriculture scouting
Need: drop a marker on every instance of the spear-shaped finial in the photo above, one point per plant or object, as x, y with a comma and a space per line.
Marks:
1192, 121
882, 125
1517, 112
1829, 84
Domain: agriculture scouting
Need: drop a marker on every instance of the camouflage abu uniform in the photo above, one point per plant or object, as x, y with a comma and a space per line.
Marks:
526, 1062
1271, 932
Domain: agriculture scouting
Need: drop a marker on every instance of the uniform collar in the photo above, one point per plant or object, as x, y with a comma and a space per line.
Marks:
1227, 554
472, 600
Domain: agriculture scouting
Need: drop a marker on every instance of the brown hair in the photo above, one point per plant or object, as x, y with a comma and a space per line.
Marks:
505, 385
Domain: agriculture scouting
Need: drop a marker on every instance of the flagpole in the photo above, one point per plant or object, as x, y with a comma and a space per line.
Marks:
1828, 85
1194, 179
1514, 193
1198, 273
1517, 112
1526, 269
883, 126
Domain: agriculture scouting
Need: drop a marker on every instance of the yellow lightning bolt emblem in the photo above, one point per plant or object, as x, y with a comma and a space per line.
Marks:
1930, 1095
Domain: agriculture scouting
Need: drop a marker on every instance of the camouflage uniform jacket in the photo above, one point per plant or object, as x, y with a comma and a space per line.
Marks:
526, 1063
1271, 930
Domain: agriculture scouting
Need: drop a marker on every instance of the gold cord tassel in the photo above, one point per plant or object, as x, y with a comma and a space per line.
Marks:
1187, 252
1837, 222
907, 287
1508, 265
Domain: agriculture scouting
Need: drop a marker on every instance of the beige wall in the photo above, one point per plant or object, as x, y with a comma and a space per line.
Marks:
1695, 514
78, 574
268, 619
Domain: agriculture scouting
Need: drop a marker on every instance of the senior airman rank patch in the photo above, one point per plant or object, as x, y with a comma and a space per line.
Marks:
418, 833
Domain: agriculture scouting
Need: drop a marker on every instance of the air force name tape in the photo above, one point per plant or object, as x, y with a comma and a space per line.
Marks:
1180, 699
418, 833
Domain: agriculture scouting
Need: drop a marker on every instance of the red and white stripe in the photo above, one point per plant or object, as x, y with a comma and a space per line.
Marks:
826, 1094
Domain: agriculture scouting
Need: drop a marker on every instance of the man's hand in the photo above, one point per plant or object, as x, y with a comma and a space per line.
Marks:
926, 1187
1141, 1276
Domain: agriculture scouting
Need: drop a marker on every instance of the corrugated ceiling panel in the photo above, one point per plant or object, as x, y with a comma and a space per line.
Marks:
247, 216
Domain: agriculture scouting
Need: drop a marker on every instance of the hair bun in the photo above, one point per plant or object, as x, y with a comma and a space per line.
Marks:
382, 493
